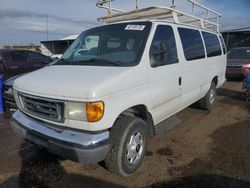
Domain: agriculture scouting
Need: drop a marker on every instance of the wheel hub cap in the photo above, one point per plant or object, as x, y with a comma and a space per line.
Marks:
134, 148
212, 96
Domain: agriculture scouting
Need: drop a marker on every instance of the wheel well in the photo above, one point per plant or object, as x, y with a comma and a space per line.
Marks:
141, 111
215, 80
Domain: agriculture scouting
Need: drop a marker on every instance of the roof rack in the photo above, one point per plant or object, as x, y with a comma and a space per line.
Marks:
208, 20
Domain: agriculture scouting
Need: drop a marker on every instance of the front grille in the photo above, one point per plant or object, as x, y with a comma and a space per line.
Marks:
43, 108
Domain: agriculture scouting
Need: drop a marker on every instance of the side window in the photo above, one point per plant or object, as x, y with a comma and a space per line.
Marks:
223, 45
38, 58
18, 57
163, 48
212, 44
192, 44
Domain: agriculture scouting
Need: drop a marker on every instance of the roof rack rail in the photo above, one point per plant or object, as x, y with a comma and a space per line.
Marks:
209, 20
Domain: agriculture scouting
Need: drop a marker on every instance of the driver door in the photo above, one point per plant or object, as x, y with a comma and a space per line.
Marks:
165, 76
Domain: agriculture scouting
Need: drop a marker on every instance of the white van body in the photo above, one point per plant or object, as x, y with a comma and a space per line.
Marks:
155, 88
160, 91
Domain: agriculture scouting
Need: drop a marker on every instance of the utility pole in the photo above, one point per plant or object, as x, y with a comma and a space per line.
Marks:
47, 26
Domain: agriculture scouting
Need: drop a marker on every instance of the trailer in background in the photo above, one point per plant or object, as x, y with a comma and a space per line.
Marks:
55, 48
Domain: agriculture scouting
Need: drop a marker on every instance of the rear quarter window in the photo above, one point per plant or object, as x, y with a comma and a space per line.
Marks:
192, 44
212, 44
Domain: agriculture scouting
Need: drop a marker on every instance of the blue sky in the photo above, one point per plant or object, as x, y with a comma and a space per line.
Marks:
24, 21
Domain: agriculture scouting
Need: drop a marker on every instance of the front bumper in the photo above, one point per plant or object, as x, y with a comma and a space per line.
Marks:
83, 147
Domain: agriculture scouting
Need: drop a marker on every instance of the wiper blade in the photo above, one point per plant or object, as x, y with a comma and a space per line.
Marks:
61, 61
92, 61
116, 63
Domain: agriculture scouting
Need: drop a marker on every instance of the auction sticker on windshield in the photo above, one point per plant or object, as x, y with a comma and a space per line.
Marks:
135, 27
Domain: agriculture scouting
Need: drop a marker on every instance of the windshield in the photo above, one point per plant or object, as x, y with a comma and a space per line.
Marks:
239, 54
111, 45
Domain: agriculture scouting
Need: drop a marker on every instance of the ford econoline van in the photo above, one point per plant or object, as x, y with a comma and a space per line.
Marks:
115, 85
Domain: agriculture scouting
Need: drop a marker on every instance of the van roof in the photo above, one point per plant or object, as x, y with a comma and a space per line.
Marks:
210, 20
168, 22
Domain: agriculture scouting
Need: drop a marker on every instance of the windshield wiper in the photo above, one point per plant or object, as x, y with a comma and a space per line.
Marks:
61, 61
92, 61
100, 62
104, 61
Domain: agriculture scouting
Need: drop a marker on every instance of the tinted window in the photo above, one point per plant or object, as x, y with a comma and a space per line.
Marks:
18, 56
163, 48
212, 44
38, 58
223, 45
192, 44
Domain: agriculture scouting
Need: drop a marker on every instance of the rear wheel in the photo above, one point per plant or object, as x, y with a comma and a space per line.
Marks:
208, 101
129, 138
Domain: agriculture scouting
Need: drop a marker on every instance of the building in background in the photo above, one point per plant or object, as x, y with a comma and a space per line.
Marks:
55, 48
237, 38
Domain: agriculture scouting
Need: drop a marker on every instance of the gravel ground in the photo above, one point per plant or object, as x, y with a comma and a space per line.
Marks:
207, 149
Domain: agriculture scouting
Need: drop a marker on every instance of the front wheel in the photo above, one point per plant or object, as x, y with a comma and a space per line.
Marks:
129, 137
208, 101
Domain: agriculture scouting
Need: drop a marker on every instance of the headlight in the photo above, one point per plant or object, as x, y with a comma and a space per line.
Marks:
79, 111
246, 66
8, 90
75, 111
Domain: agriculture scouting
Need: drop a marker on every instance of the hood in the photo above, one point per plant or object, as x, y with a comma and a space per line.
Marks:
78, 82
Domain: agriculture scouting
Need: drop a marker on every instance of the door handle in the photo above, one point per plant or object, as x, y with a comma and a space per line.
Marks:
180, 80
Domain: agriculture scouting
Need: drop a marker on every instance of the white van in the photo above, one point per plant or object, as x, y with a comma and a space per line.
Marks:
114, 85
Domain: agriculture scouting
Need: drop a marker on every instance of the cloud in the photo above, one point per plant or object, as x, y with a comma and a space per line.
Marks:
31, 21
234, 22
71, 17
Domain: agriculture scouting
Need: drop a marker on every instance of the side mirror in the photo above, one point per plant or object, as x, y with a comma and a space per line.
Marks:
153, 61
1, 59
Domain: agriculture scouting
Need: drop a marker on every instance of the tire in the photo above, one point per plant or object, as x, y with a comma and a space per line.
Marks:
209, 99
129, 137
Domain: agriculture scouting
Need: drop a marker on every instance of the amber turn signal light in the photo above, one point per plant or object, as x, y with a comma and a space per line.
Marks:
95, 111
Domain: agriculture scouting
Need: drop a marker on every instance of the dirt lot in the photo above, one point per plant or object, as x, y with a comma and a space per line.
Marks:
204, 150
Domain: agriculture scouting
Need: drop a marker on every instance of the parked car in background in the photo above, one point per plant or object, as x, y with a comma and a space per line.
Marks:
16, 62
237, 57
